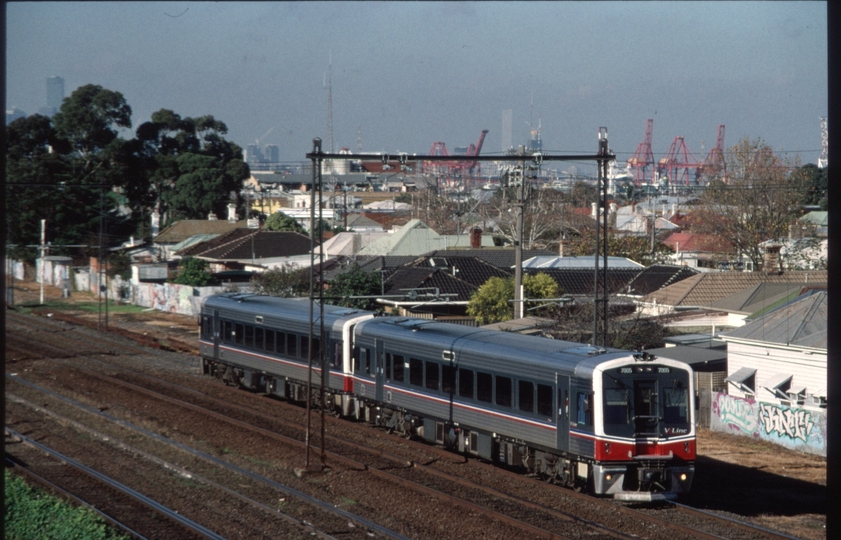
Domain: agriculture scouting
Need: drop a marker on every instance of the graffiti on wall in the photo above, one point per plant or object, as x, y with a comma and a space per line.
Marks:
794, 428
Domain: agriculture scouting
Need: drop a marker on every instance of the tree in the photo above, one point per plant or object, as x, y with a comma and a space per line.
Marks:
355, 282
279, 221
756, 201
818, 181
193, 272
636, 248
492, 302
283, 281
192, 169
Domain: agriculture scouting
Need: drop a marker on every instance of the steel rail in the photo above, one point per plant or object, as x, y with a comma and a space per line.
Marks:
734, 522
22, 469
151, 503
216, 461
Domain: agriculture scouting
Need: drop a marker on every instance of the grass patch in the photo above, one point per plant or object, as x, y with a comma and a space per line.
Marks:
33, 514
347, 501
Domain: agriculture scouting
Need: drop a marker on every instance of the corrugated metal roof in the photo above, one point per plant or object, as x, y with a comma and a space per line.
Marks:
185, 228
803, 323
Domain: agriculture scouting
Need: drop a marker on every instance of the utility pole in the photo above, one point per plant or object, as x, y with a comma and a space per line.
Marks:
43, 250
600, 315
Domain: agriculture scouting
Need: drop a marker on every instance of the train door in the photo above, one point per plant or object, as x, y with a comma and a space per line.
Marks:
379, 355
562, 393
646, 415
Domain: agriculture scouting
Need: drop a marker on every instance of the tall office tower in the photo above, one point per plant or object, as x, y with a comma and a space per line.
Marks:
253, 154
271, 153
55, 92
506, 130
55, 95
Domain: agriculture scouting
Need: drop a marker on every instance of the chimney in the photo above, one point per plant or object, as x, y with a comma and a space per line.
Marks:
773, 261
232, 213
476, 238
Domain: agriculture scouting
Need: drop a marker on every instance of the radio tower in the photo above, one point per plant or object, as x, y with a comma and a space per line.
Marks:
823, 161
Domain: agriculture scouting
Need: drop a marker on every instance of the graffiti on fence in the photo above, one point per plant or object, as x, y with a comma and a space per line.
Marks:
794, 428
735, 414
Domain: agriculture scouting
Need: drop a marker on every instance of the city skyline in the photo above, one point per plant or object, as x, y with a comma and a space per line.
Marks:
403, 76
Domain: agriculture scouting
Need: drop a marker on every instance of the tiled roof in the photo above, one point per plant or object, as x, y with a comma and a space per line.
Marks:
803, 322
706, 288
694, 243
759, 297
581, 281
242, 244
405, 279
470, 269
500, 257
185, 228
657, 276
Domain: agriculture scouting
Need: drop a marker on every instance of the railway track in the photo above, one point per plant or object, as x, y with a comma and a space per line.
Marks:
123, 507
408, 467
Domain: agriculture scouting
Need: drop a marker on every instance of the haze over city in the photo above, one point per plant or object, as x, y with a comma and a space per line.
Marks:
405, 75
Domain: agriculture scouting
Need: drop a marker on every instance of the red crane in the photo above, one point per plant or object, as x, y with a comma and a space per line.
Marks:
714, 164
454, 166
643, 157
679, 159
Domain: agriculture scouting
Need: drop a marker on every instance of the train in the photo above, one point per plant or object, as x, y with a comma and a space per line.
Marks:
610, 422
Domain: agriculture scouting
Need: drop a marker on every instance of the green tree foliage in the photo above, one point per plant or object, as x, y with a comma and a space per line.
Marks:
756, 201
818, 182
191, 168
636, 248
492, 302
193, 272
284, 282
279, 221
355, 282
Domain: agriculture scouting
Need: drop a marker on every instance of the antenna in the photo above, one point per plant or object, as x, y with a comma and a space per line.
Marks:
330, 102
359, 140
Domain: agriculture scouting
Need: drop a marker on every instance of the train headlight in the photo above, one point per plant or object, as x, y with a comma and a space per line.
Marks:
683, 477
608, 477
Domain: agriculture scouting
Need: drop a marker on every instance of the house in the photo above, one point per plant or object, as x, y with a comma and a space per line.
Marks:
701, 251
777, 377
255, 250
186, 228
416, 238
696, 295
348, 244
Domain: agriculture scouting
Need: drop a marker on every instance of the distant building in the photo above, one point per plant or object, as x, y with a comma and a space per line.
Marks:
13, 114
271, 153
55, 92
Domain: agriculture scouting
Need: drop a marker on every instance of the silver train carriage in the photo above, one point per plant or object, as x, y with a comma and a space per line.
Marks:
612, 422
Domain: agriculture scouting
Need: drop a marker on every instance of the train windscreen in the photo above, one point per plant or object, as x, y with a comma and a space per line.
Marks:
647, 400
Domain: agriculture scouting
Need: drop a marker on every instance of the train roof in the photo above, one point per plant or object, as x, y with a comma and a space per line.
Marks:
281, 308
539, 352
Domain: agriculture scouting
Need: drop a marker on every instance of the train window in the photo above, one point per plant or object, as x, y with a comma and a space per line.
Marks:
503, 391
280, 341
270, 340
432, 375
291, 345
249, 335
448, 379
398, 367
525, 396
585, 413
355, 356
369, 369
415, 372
336, 358
544, 400
617, 406
465, 383
675, 405
258, 338
238, 333
206, 327
227, 331
484, 386
316, 349
387, 367
305, 347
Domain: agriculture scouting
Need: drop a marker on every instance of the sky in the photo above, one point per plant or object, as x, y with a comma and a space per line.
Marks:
405, 75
